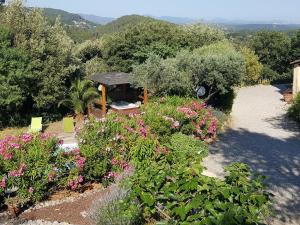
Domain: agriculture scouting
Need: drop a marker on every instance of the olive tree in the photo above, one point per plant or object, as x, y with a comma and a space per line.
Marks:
217, 67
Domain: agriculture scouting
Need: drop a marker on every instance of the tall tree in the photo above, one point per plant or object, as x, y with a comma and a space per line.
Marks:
296, 46
253, 66
49, 50
273, 49
16, 82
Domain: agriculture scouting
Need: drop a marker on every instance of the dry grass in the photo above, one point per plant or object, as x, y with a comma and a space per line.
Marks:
12, 131
54, 128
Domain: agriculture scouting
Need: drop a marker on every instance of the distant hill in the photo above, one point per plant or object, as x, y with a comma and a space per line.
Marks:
67, 18
256, 27
178, 20
97, 19
121, 24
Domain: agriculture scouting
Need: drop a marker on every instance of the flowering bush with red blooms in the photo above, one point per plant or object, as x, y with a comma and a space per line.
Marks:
174, 114
32, 166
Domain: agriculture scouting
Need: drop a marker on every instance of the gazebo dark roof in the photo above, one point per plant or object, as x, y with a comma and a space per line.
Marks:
113, 78
295, 62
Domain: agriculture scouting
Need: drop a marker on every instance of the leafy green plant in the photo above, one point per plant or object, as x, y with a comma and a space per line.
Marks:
173, 191
253, 67
184, 144
294, 110
82, 93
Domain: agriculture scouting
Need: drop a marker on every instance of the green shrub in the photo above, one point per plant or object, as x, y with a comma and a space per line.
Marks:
33, 166
183, 144
173, 191
268, 75
294, 110
253, 66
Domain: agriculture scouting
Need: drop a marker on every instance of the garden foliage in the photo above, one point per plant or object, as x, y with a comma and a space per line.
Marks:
218, 67
294, 110
32, 167
157, 156
169, 115
253, 67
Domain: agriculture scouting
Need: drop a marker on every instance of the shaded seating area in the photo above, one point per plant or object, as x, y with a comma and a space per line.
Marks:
117, 94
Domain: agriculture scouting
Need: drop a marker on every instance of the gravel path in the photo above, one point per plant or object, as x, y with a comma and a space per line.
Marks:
261, 136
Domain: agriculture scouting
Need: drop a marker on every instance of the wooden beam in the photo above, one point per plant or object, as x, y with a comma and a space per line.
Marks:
145, 95
103, 101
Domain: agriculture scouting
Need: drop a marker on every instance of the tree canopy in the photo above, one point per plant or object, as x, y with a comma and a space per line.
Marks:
273, 49
46, 51
218, 67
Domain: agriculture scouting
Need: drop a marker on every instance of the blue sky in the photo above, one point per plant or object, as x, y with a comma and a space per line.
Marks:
253, 10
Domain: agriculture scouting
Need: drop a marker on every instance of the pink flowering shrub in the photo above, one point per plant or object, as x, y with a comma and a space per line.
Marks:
185, 115
32, 167
114, 146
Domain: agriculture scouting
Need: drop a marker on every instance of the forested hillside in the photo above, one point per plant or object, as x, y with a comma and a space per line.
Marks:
121, 24
67, 18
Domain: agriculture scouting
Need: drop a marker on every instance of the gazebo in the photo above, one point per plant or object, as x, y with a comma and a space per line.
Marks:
107, 83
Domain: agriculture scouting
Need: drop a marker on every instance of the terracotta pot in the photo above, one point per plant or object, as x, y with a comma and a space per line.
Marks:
288, 97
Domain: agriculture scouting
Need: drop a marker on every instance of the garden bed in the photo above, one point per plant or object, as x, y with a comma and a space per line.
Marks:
161, 147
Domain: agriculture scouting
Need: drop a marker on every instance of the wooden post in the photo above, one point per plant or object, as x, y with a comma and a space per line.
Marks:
145, 95
104, 90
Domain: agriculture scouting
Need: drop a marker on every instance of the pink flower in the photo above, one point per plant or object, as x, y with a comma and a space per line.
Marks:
14, 145
118, 137
114, 162
31, 190
197, 106
80, 179
110, 175
141, 123
26, 138
189, 113
212, 127
3, 183
129, 129
80, 161
61, 142
203, 122
50, 177
19, 172
7, 156
175, 125
143, 132
76, 151
45, 136
73, 184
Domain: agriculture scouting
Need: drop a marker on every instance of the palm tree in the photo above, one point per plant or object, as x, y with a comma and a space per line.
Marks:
82, 93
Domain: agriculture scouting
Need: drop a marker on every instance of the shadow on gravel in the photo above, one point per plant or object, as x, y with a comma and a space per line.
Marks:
278, 159
282, 122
